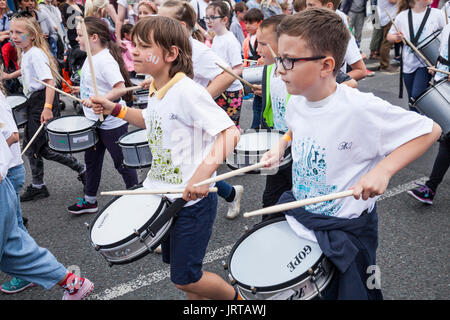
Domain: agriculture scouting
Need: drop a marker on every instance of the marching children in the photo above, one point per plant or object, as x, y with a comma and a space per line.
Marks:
415, 21
111, 76
42, 102
340, 139
177, 107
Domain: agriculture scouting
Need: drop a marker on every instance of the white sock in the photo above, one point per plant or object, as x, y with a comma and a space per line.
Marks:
90, 199
38, 186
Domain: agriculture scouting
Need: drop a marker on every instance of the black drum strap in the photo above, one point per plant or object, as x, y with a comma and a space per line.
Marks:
400, 88
170, 212
415, 38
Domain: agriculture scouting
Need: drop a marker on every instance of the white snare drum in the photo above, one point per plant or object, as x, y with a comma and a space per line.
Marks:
131, 226
435, 104
19, 111
252, 146
71, 133
430, 46
270, 262
135, 149
254, 75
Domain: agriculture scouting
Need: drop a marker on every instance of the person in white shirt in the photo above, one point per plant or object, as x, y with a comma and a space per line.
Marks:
111, 76
189, 136
341, 139
416, 21
353, 57
226, 46
210, 76
35, 61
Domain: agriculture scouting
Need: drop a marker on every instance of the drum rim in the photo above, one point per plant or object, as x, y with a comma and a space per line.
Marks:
276, 287
131, 236
429, 89
257, 152
91, 128
133, 144
16, 95
428, 39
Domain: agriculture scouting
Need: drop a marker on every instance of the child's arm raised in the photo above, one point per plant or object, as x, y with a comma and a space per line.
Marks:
225, 143
101, 105
375, 182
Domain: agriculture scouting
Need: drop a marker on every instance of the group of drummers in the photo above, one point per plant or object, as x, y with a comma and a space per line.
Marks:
319, 136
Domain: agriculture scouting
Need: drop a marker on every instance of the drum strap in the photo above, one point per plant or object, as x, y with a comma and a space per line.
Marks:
415, 38
441, 59
169, 213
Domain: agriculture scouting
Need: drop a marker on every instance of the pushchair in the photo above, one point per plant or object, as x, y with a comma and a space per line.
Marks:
73, 64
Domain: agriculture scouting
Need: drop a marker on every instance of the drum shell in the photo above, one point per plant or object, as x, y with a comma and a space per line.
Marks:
302, 287
136, 155
140, 98
19, 111
430, 46
71, 142
134, 246
435, 104
254, 75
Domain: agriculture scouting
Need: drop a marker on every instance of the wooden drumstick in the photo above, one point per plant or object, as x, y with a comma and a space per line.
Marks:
33, 138
247, 60
89, 57
446, 15
143, 192
409, 43
439, 70
231, 174
60, 91
298, 204
56, 73
274, 55
236, 76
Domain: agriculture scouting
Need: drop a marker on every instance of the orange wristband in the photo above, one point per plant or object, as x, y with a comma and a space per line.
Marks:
287, 137
48, 105
122, 112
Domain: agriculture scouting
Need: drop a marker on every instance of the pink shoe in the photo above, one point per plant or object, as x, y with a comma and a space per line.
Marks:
85, 290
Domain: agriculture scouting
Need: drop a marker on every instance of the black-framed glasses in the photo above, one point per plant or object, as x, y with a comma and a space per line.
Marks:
288, 63
207, 18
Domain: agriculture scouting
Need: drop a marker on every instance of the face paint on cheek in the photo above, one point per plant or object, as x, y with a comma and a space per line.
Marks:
25, 37
153, 59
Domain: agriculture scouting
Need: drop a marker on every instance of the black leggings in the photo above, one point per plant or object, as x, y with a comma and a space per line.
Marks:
441, 164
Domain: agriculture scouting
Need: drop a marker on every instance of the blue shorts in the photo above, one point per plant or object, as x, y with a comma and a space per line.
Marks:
185, 247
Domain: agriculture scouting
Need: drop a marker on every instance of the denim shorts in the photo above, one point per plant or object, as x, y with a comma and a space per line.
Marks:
185, 247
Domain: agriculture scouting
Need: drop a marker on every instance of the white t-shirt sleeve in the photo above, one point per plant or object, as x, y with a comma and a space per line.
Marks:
396, 125
40, 65
5, 157
352, 54
111, 71
235, 51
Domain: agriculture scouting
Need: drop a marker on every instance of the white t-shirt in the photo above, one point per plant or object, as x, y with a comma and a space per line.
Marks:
181, 128
436, 21
278, 97
343, 16
204, 60
199, 7
229, 49
10, 127
446, 7
382, 7
338, 140
107, 74
352, 54
443, 52
34, 64
5, 157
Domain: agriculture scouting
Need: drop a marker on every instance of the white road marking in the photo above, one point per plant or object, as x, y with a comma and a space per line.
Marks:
212, 256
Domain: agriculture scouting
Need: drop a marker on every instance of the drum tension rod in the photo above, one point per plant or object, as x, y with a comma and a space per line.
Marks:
313, 274
142, 239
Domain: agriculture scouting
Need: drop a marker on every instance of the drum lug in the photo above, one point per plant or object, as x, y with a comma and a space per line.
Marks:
87, 225
246, 229
314, 274
225, 265
253, 289
232, 281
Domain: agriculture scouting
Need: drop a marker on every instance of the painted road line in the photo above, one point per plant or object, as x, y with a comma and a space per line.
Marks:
212, 256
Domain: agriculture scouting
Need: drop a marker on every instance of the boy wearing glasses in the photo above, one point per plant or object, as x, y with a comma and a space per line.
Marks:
341, 139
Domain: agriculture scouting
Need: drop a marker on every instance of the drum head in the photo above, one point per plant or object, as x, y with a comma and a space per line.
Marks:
259, 141
272, 257
134, 137
14, 101
70, 124
122, 217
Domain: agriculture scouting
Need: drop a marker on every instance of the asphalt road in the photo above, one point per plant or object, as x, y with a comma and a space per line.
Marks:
413, 252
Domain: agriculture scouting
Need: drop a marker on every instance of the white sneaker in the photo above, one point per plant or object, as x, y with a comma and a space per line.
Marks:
235, 206
158, 250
